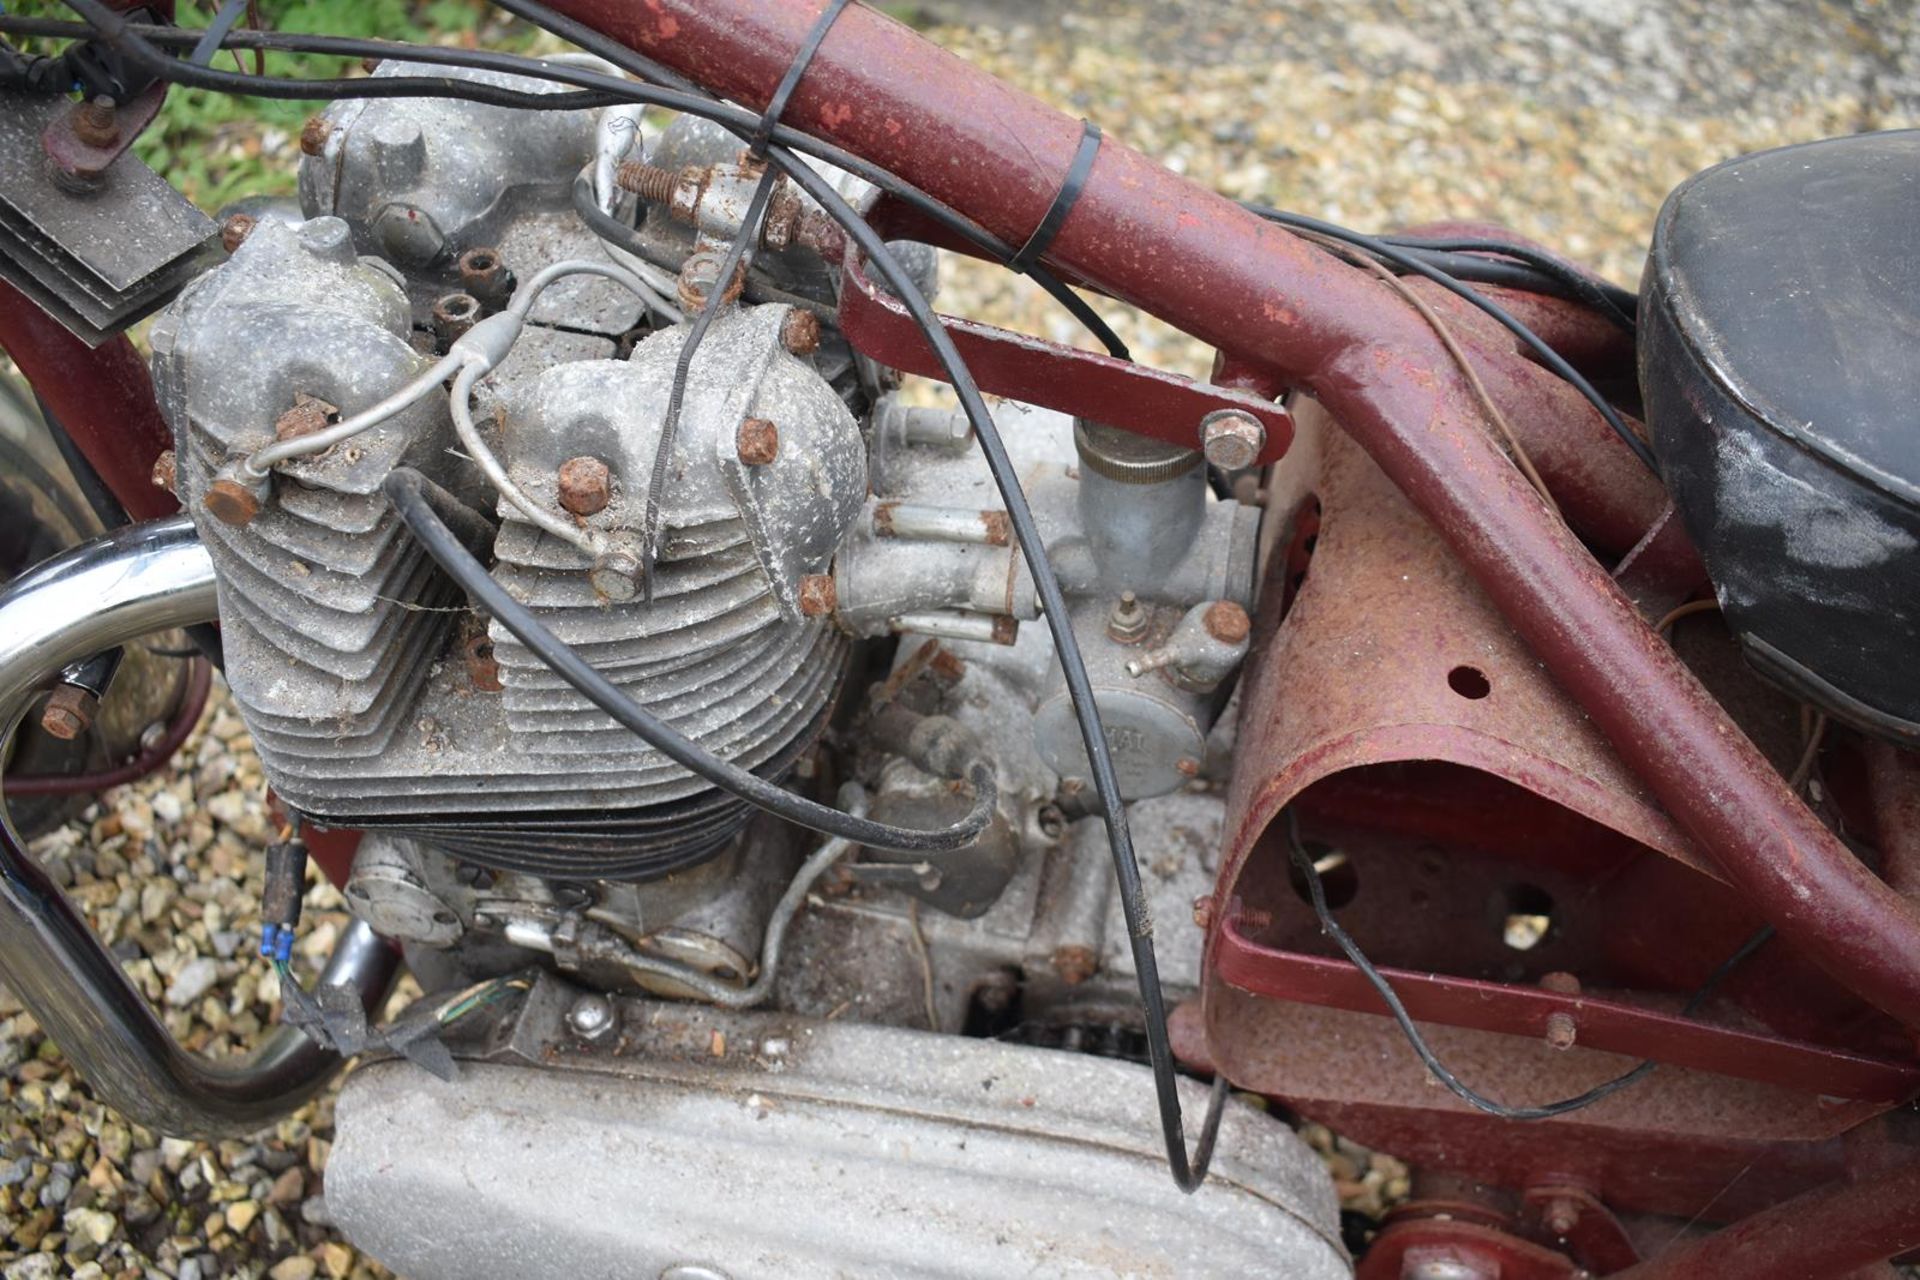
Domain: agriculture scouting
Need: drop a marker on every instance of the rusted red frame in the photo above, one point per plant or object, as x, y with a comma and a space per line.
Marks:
1611, 1025
1218, 272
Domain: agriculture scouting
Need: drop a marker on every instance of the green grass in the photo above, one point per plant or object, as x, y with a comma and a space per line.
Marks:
218, 149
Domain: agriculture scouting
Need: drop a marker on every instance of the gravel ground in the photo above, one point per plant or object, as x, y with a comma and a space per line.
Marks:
1569, 123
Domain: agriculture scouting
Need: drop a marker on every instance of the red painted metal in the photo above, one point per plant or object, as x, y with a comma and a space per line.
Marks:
102, 396
1612, 1026
1100, 388
1828, 1232
1210, 268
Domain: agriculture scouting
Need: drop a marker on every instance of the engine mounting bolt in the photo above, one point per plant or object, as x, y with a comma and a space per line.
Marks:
96, 122
235, 230
1227, 622
1232, 438
69, 712
757, 442
314, 134
585, 485
700, 273
164, 470
1562, 1216
1128, 622
817, 595
616, 574
231, 502
1074, 963
800, 332
1561, 1030
593, 1018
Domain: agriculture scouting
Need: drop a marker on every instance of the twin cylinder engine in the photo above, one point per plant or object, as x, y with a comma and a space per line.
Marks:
807, 516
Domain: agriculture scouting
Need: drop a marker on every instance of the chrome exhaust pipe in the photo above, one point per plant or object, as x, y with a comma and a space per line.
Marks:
107, 592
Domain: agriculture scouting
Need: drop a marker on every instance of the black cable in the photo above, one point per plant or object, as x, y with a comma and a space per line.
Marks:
1617, 304
1547, 355
1303, 862
669, 91
737, 260
419, 503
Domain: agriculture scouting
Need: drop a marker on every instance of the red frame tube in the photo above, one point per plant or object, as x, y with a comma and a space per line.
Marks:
102, 397
1198, 261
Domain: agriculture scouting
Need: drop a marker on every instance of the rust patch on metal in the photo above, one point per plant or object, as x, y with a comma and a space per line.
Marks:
231, 502
235, 230
817, 596
309, 415
165, 471
1227, 622
314, 134
1075, 964
999, 528
483, 669
757, 442
800, 332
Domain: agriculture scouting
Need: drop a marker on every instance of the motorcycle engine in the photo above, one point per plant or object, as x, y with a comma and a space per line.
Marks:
825, 549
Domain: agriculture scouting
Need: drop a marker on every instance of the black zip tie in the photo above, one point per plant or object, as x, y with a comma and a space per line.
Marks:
216, 32
777, 104
1076, 181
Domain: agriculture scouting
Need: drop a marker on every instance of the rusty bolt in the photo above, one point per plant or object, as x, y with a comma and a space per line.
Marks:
1561, 1030
308, 415
235, 230
1253, 917
1562, 1216
231, 502
650, 182
1227, 622
484, 275
1563, 984
757, 442
1074, 963
164, 470
1203, 911
586, 485
483, 669
69, 712
313, 135
800, 332
817, 597
1232, 438
700, 273
96, 122
1188, 767
453, 315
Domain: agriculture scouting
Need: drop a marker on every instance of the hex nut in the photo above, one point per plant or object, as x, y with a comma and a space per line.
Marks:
817, 595
314, 134
235, 230
485, 275
1227, 622
585, 485
69, 712
757, 441
616, 575
454, 314
231, 502
800, 332
1232, 438
1128, 622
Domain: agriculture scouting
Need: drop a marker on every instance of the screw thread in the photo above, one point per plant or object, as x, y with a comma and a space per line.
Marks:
650, 182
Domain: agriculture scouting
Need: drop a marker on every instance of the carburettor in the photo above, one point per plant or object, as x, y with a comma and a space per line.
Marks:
833, 561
